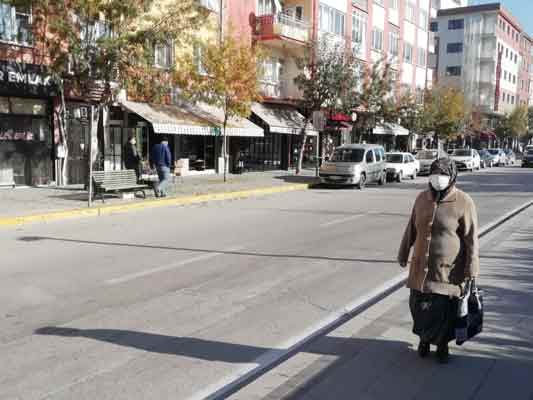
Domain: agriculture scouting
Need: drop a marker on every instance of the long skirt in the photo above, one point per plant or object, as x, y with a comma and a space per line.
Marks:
434, 316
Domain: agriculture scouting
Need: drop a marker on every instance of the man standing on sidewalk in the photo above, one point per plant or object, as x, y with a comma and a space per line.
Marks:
161, 160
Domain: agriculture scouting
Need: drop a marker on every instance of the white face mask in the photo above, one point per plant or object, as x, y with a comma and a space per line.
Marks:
439, 182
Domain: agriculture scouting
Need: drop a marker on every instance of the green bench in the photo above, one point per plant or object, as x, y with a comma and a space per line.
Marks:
116, 181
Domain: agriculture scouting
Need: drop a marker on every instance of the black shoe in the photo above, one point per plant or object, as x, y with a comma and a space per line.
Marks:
423, 349
443, 353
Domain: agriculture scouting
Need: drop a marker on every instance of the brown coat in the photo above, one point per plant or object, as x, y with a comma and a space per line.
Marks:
445, 240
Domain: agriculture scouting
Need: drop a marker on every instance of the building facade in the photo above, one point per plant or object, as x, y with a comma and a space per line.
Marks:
484, 51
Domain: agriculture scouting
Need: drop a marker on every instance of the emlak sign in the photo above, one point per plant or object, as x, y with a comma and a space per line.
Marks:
18, 79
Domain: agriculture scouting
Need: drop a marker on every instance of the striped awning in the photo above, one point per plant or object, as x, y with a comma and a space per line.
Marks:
283, 119
390, 129
188, 119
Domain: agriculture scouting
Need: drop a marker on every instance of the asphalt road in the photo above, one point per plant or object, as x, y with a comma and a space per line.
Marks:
163, 303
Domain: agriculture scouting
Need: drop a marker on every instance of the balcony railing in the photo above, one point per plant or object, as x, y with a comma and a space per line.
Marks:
363, 4
281, 89
282, 25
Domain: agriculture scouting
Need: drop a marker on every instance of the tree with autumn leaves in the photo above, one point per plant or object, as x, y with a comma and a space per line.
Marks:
225, 76
94, 48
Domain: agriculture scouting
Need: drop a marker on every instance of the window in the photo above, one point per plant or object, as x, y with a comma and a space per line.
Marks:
331, 20
164, 55
212, 5
410, 12
369, 157
505, 75
394, 43
434, 26
455, 24
421, 57
379, 155
408, 53
270, 70
454, 48
377, 39
359, 25
265, 7
514, 79
423, 19
393, 4
453, 71
516, 58
512, 100
15, 24
198, 55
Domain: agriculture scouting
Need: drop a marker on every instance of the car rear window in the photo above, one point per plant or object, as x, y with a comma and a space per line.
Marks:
426, 155
462, 153
395, 158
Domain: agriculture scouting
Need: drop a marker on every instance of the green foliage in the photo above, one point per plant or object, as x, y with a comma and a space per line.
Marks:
515, 124
378, 95
443, 112
328, 79
110, 41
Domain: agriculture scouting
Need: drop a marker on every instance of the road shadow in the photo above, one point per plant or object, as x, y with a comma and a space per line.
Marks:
209, 251
304, 179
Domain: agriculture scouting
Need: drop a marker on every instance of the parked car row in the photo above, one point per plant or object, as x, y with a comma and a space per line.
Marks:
359, 164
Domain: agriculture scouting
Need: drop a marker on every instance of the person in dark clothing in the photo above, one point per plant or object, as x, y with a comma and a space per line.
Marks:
132, 159
161, 160
443, 231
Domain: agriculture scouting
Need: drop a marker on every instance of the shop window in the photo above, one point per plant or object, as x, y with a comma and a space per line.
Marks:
16, 24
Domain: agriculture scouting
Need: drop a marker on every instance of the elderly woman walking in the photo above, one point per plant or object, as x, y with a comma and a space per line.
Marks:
443, 231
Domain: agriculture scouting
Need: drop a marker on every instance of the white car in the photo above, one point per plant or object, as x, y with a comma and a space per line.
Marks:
401, 165
466, 159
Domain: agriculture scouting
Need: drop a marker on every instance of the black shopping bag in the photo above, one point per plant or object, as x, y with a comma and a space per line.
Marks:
469, 314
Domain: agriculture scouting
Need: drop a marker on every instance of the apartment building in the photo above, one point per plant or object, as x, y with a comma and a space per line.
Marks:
484, 51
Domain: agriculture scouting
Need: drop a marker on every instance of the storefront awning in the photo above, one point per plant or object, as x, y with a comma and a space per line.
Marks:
188, 119
390, 129
236, 126
170, 119
283, 119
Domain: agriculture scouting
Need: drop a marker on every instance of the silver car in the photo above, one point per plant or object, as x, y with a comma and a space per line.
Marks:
426, 158
355, 164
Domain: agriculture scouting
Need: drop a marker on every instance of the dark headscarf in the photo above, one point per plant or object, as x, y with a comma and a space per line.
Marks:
443, 166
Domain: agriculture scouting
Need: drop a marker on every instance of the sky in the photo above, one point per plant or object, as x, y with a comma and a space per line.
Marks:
521, 9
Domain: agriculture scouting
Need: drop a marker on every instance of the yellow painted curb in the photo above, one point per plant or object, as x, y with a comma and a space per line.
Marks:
173, 201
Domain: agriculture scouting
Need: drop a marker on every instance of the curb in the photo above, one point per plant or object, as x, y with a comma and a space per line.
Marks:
174, 201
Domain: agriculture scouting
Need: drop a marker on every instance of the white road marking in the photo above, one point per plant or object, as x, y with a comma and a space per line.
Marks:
340, 221
182, 263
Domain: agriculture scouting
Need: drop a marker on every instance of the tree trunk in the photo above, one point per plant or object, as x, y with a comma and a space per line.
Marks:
225, 147
93, 142
301, 150
62, 119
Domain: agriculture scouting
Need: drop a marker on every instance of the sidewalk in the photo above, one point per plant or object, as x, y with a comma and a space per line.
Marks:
374, 355
37, 200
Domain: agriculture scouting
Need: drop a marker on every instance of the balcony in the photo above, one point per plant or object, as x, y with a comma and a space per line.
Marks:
283, 27
283, 89
362, 4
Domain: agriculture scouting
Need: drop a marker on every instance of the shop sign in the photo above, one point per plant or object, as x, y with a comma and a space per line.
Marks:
21, 79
